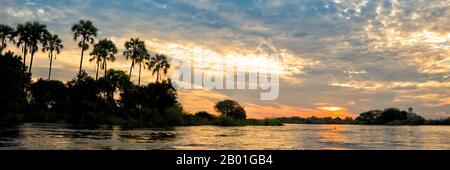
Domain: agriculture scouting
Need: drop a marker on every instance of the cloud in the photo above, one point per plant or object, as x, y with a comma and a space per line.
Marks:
373, 54
373, 85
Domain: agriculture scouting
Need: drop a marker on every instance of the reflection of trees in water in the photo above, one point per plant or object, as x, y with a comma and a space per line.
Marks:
8, 134
117, 134
142, 135
147, 137
62, 137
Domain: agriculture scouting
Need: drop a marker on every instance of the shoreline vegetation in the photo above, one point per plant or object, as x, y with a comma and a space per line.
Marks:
113, 98
330, 120
87, 101
109, 99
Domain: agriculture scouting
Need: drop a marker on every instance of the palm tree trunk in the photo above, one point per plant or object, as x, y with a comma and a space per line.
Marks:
157, 75
96, 74
50, 68
131, 68
3, 45
139, 80
81, 62
31, 60
25, 51
106, 67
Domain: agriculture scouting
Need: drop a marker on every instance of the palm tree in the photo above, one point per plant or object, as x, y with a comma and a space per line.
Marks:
86, 31
52, 44
135, 50
97, 59
143, 58
6, 33
157, 63
103, 51
23, 34
36, 34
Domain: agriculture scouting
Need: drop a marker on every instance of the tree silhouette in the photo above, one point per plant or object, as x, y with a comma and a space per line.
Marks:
14, 81
136, 51
6, 33
113, 84
230, 108
86, 31
392, 114
157, 64
97, 59
52, 44
114, 81
49, 100
84, 100
37, 32
141, 61
23, 34
369, 117
112, 99
150, 103
205, 115
103, 51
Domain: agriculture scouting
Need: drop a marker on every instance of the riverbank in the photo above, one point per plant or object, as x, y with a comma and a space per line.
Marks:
358, 121
181, 120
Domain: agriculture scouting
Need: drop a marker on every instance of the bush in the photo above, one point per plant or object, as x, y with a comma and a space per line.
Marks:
389, 116
228, 121
205, 115
14, 80
369, 117
84, 99
48, 97
231, 109
392, 114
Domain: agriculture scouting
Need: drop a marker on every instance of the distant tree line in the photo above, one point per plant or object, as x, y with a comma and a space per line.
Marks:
316, 120
389, 116
231, 113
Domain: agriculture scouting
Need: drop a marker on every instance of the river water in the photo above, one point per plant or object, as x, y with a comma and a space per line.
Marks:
291, 136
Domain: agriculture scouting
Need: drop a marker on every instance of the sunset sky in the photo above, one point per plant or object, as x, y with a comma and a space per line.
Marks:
338, 58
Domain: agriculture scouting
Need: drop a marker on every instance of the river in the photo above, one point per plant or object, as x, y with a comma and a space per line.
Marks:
36, 136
